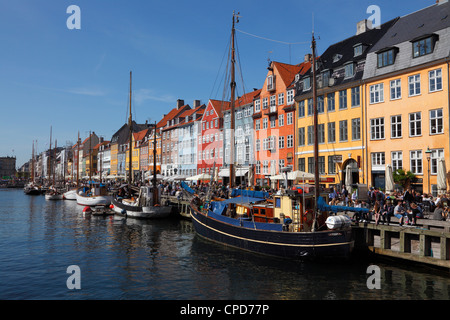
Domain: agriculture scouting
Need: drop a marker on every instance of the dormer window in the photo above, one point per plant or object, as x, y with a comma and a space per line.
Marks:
349, 70
357, 50
386, 57
326, 78
306, 83
423, 45
337, 57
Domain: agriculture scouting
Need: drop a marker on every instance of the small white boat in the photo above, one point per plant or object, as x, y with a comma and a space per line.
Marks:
142, 207
96, 195
53, 194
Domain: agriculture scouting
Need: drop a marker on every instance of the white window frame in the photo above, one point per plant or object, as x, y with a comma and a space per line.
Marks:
396, 125
414, 85
435, 80
436, 121
436, 154
396, 89
396, 160
376, 93
257, 105
415, 124
377, 128
415, 160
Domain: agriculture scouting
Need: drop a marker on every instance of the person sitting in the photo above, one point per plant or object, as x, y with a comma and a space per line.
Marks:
412, 214
387, 212
439, 212
399, 212
377, 212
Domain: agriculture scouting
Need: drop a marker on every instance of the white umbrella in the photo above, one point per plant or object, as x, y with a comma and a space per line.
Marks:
441, 176
276, 177
389, 179
202, 176
250, 176
348, 179
301, 175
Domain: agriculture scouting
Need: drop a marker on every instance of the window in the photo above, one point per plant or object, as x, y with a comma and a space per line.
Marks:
265, 123
281, 142
257, 125
396, 126
357, 50
377, 159
272, 101
310, 135
331, 132
436, 154
435, 79
376, 93
280, 98
330, 102
385, 58
266, 167
396, 90
306, 83
349, 70
415, 124
301, 164
436, 121
325, 78
265, 103
342, 99
321, 133
258, 145
281, 120
416, 161
355, 96
290, 141
273, 121
423, 46
343, 134
397, 160
377, 129
270, 83
290, 97
289, 118
258, 105
331, 165
258, 167
301, 109
321, 164
320, 104
310, 107
414, 85
356, 129
301, 136
311, 165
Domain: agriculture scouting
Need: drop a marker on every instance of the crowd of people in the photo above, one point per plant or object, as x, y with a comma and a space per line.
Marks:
406, 206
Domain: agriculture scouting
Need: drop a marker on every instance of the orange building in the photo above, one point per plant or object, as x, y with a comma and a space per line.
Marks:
274, 126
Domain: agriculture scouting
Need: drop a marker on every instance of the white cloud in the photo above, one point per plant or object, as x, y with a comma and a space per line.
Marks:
142, 95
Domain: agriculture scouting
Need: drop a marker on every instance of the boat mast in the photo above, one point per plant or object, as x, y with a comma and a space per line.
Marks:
232, 102
50, 156
316, 130
155, 189
78, 159
130, 139
32, 163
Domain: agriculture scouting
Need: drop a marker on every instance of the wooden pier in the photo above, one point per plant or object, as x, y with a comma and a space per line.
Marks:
181, 206
427, 242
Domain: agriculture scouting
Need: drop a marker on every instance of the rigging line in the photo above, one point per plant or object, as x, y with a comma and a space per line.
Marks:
264, 38
221, 64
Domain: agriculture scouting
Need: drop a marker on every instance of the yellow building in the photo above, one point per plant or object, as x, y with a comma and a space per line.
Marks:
340, 107
406, 84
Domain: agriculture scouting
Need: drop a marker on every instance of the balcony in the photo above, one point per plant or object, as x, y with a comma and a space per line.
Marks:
273, 111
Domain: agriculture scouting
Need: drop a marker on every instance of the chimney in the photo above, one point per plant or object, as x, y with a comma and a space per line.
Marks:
180, 103
196, 103
308, 57
363, 26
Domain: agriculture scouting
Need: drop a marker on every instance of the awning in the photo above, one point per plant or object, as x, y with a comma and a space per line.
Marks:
240, 172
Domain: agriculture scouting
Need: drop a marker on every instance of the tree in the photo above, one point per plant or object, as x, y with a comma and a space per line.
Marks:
404, 178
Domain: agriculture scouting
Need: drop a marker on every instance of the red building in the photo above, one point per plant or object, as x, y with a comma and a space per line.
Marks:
210, 141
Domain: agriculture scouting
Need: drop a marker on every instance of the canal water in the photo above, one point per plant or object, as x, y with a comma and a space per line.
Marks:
165, 260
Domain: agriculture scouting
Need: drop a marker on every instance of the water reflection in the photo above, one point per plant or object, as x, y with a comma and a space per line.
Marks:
165, 259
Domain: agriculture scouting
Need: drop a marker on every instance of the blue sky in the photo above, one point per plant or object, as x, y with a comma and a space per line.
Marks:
78, 80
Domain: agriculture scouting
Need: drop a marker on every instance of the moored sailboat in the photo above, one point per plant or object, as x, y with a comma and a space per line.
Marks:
291, 225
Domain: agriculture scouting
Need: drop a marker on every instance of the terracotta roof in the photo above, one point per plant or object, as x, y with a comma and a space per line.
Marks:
247, 98
138, 136
287, 72
171, 115
220, 106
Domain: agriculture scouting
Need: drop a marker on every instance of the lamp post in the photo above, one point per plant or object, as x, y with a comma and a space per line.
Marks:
428, 154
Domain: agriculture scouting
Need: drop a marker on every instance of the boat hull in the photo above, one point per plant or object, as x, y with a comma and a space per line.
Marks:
329, 244
153, 212
71, 195
58, 196
93, 201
